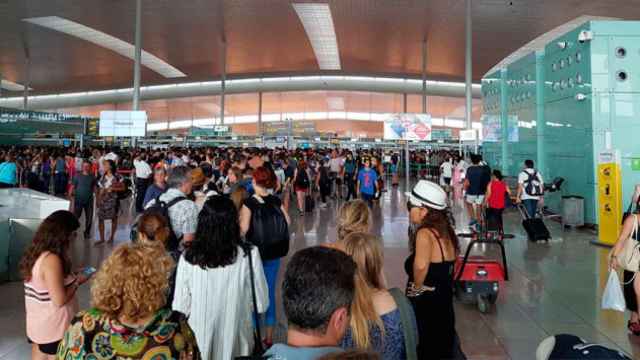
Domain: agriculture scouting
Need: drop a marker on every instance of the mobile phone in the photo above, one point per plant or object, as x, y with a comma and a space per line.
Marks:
88, 271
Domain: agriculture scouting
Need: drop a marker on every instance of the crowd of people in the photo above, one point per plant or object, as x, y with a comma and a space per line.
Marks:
199, 278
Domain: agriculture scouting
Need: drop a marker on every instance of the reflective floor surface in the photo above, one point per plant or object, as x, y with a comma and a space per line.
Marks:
553, 288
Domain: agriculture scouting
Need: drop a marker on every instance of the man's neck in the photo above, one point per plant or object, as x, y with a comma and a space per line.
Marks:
297, 338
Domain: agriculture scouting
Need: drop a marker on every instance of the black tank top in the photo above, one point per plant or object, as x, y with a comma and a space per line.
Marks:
439, 275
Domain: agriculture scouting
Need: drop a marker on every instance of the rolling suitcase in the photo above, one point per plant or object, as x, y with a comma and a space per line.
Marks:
535, 227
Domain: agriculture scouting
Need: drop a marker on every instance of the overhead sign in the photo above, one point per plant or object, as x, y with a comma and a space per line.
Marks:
468, 135
123, 123
408, 127
441, 134
298, 128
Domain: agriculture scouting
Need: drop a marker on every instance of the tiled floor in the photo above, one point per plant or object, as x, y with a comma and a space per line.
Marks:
554, 288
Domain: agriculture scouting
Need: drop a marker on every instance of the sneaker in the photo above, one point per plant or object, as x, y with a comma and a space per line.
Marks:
323, 206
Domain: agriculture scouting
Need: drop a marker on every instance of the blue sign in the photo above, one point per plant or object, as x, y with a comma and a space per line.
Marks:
66, 142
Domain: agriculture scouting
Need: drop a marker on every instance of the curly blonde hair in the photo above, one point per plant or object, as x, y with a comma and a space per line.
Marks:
132, 282
353, 217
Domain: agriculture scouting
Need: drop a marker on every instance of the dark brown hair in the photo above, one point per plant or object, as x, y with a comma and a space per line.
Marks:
53, 235
440, 223
154, 227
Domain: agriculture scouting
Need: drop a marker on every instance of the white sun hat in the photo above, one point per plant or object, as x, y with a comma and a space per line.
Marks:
429, 194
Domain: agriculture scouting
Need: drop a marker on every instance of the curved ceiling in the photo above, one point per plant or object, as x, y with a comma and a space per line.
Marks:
266, 36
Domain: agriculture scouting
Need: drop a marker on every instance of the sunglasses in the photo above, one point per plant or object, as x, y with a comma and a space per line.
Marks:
410, 206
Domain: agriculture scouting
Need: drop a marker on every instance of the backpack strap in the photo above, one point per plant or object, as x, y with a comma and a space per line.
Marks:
174, 201
408, 325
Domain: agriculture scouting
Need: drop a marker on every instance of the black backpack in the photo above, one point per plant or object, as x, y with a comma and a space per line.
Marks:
162, 208
303, 179
268, 229
532, 185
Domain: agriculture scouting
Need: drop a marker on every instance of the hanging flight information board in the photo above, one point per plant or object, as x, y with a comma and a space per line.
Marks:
123, 123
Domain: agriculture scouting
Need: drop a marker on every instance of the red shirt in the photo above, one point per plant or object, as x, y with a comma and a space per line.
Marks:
498, 191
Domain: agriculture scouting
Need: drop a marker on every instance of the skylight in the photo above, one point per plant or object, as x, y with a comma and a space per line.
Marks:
318, 24
11, 86
106, 41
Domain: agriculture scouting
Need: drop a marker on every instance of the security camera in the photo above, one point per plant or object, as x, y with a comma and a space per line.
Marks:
562, 44
581, 97
585, 35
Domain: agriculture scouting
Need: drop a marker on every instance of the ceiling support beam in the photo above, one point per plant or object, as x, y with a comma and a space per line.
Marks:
424, 76
468, 69
223, 83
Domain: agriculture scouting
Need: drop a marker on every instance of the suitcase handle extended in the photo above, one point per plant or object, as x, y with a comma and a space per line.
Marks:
484, 241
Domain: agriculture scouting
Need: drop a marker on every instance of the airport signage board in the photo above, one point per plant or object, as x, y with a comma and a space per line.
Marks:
281, 128
123, 123
441, 134
408, 127
468, 135
8, 115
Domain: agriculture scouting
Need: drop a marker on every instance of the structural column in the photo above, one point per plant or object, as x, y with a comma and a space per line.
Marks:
260, 133
224, 79
407, 169
468, 69
137, 57
540, 120
136, 62
27, 84
424, 76
504, 122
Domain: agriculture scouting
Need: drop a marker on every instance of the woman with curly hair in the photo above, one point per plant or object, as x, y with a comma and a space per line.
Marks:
129, 318
49, 283
213, 283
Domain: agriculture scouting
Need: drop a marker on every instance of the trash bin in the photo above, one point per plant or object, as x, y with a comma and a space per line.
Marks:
573, 210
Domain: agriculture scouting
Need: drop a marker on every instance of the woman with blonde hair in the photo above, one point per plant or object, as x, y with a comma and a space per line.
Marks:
381, 320
353, 216
130, 317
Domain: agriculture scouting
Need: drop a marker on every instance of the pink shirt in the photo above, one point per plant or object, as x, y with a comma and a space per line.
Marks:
46, 322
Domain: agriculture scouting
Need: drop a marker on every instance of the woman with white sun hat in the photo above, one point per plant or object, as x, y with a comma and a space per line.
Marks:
434, 248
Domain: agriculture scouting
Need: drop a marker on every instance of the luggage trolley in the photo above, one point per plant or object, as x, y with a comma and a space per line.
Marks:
477, 278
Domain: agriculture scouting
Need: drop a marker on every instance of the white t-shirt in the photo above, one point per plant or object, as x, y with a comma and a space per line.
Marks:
143, 170
447, 169
335, 164
522, 178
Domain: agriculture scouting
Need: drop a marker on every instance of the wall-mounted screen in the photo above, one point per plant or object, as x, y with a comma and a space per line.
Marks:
123, 123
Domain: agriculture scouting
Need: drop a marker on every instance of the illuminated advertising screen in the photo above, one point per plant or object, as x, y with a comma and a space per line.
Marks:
408, 127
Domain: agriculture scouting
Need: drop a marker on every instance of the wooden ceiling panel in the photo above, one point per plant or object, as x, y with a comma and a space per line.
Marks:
266, 36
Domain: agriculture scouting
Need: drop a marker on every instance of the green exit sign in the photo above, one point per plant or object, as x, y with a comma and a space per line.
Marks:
635, 164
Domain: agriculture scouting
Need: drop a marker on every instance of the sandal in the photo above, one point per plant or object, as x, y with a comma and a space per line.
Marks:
634, 328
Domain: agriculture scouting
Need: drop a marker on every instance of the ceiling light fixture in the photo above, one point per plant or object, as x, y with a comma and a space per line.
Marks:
318, 24
106, 41
11, 86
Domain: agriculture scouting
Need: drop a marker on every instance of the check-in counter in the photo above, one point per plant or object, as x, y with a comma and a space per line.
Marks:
21, 212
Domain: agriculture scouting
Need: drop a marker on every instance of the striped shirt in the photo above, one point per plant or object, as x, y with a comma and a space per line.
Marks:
46, 322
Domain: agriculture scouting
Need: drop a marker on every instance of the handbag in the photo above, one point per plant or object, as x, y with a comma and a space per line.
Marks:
258, 350
629, 257
407, 316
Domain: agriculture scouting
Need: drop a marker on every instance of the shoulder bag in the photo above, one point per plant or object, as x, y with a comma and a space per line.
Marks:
629, 257
407, 317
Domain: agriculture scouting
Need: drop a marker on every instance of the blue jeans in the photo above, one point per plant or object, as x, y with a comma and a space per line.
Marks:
271, 268
368, 198
531, 205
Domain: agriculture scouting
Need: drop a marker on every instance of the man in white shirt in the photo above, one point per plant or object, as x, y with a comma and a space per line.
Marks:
143, 176
530, 188
335, 169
